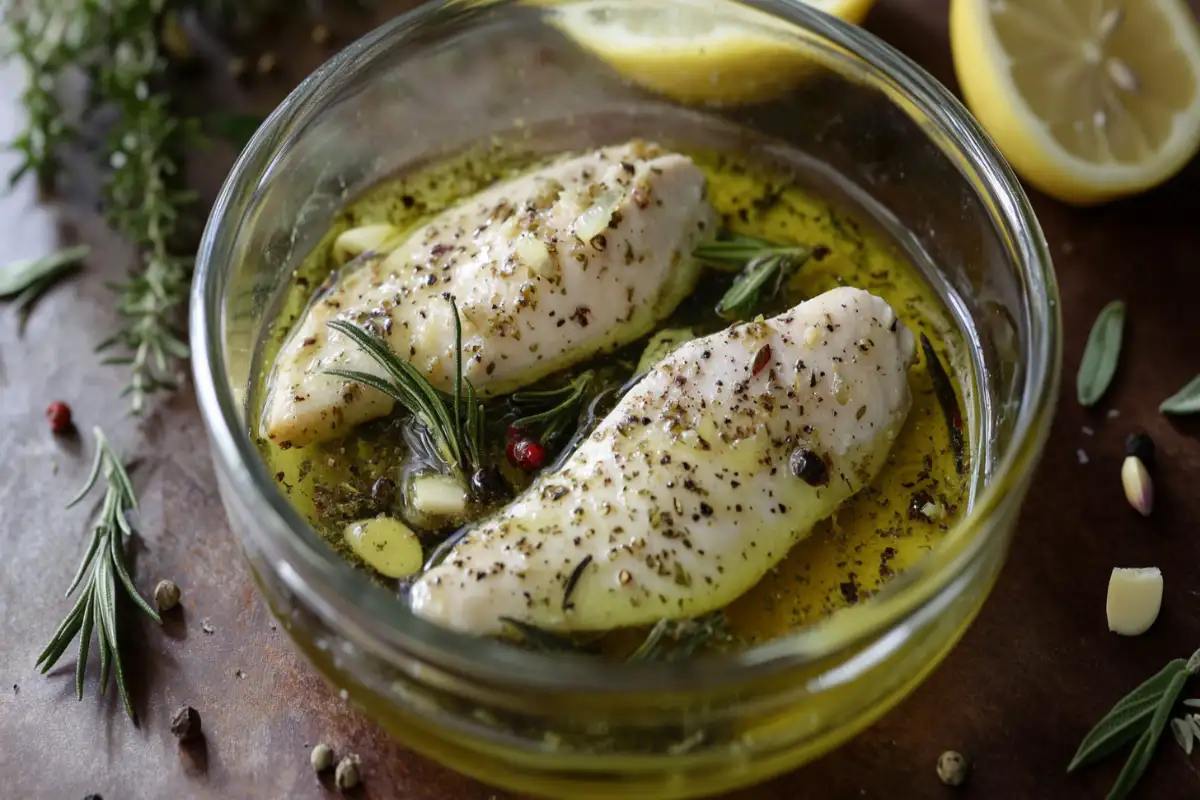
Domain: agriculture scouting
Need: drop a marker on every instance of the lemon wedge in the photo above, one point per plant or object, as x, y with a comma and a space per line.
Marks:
699, 51
1089, 100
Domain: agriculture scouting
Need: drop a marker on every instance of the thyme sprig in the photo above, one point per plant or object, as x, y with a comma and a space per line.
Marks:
117, 45
763, 268
104, 564
455, 421
48, 46
1140, 717
552, 413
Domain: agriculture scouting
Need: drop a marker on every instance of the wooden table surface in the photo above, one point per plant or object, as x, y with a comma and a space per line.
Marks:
1030, 677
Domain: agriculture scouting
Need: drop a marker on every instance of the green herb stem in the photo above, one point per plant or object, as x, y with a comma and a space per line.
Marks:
552, 413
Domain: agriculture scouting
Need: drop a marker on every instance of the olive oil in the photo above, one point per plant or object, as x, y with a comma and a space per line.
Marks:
917, 496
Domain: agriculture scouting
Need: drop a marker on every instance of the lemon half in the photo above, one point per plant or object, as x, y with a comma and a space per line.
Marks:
700, 51
1089, 100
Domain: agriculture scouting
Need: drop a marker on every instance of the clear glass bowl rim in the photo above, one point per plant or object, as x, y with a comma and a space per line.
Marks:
372, 618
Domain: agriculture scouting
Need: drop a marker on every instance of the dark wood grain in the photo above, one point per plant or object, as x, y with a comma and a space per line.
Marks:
1034, 672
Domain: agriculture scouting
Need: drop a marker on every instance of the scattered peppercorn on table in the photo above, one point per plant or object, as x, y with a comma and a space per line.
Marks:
1041, 642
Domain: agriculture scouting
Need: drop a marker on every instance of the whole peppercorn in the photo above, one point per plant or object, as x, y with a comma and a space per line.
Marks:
1141, 446
809, 467
58, 414
526, 454
952, 768
346, 776
321, 757
166, 595
186, 724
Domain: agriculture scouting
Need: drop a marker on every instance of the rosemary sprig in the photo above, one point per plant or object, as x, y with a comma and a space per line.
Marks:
674, 639
48, 46
763, 268
141, 203
454, 422
1142, 715
96, 608
943, 389
117, 45
552, 413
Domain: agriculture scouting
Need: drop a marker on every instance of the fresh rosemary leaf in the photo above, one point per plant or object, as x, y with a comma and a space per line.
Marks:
1143, 751
104, 566
456, 431
1101, 355
37, 274
943, 389
733, 253
764, 268
573, 581
1185, 401
552, 413
1126, 720
674, 639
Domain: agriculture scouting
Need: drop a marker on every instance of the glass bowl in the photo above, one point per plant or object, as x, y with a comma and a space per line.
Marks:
859, 123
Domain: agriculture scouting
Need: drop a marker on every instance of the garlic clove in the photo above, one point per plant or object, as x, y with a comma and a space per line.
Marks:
1134, 599
1139, 488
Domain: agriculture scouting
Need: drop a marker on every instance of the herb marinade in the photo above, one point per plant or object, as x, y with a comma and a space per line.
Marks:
886, 527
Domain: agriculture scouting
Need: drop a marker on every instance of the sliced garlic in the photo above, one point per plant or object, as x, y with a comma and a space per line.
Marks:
437, 496
1139, 488
1134, 599
387, 545
595, 219
356, 241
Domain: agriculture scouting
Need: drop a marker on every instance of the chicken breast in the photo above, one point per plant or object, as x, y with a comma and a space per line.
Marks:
700, 480
548, 269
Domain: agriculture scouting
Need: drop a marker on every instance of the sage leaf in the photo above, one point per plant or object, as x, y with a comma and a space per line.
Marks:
1194, 703
37, 273
1185, 401
1101, 355
1184, 735
1127, 719
1143, 751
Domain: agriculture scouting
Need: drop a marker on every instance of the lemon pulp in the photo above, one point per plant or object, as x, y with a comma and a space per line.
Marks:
1088, 99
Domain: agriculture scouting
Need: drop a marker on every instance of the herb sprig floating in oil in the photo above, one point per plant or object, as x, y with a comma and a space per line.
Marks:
454, 422
550, 414
97, 608
763, 269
